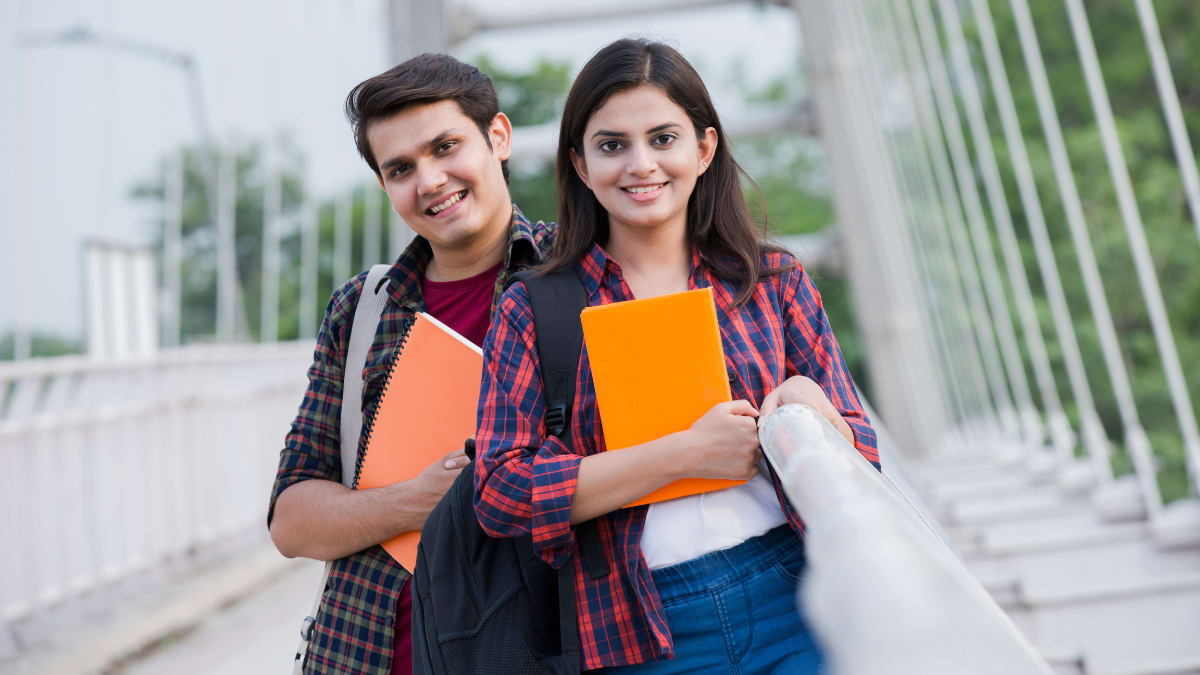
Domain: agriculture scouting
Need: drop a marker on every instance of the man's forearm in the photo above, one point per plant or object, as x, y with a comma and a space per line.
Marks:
325, 520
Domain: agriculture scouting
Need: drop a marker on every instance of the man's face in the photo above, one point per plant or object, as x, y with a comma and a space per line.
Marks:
440, 175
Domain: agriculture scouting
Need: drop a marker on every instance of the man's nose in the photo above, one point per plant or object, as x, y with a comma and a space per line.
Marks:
430, 179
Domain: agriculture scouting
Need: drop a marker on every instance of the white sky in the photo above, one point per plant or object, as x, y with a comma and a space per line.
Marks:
82, 124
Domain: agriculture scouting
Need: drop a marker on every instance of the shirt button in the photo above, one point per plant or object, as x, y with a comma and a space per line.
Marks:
731, 374
389, 621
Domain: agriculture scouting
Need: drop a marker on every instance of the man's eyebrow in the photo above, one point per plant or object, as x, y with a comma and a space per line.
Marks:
437, 140
393, 162
441, 138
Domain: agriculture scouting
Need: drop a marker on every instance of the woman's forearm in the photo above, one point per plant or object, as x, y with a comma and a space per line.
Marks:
609, 480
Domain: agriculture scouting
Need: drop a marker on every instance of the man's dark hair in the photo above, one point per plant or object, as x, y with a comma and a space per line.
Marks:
423, 79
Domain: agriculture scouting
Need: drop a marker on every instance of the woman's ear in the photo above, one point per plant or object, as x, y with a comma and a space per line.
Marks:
580, 167
500, 134
708, 149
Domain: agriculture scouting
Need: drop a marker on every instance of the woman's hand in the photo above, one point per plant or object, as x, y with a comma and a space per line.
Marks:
800, 389
723, 443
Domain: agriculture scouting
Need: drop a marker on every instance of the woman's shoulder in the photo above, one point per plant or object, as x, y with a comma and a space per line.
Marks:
782, 268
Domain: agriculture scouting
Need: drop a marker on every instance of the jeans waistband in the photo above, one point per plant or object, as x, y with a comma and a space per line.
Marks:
714, 570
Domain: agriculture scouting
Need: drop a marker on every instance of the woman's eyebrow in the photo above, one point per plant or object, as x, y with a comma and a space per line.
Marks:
622, 134
614, 134
663, 127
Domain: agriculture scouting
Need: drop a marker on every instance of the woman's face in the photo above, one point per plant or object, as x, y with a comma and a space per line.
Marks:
641, 159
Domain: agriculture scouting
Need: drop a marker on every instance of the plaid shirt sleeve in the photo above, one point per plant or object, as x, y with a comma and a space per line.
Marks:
812, 351
312, 448
524, 481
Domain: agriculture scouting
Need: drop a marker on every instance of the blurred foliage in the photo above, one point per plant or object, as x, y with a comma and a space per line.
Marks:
40, 344
199, 273
789, 172
1125, 63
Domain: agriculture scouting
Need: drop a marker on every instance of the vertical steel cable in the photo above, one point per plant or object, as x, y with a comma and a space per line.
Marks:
962, 346
1094, 438
875, 241
1131, 217
1165, 82
984, 255
1010, 250
895, 258
943, 205
911, 207
954, 236
1136, 442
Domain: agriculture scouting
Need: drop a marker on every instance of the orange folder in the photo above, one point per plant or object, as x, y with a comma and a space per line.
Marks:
427, 409
658, 366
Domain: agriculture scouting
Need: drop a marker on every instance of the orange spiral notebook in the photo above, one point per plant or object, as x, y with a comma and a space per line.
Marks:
658, 366
426, 409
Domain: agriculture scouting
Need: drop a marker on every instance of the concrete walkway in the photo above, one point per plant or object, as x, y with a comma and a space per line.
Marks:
258, 634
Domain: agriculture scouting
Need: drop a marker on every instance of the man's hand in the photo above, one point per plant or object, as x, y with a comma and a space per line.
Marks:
426, 488
325, 520
800, 389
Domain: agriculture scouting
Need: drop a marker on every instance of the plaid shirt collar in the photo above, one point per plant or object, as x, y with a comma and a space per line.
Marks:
409, 269
597, 265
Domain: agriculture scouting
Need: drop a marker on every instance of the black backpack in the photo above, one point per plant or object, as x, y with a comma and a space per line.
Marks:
488, 605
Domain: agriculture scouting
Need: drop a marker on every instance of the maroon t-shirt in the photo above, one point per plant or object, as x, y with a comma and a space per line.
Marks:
464, 305
402, 645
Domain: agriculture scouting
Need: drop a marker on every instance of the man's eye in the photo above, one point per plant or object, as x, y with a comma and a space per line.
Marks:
400, 170
610, 146
445, 147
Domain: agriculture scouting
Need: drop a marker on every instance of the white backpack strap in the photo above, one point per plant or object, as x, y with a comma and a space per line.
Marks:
362, 333
367, 313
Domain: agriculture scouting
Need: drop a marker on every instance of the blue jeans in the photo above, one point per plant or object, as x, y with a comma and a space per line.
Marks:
734, 611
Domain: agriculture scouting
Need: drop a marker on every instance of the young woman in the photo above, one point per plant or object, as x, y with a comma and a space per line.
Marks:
651, 203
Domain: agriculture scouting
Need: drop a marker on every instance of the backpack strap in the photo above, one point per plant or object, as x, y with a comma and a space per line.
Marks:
557, 299
367, 313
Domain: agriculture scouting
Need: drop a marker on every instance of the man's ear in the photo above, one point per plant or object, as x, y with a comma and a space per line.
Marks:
500, 134
580, 167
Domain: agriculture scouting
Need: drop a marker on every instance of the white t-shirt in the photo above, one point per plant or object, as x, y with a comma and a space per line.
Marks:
688, 527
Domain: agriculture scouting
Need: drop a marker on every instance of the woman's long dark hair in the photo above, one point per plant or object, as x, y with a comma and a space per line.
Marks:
718, 221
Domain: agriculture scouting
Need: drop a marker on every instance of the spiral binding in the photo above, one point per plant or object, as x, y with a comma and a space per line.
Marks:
369, 416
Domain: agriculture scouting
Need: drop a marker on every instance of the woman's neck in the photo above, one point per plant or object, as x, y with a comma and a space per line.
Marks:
654, 261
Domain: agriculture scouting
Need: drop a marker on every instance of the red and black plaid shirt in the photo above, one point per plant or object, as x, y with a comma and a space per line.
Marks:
525, 481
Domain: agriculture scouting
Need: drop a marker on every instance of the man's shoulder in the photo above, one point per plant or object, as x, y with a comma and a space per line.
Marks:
345, 298
539, 233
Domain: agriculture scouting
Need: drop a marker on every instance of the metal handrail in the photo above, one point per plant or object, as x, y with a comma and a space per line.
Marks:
875, 564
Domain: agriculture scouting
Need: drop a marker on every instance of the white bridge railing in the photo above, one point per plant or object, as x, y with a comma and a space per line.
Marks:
114, 467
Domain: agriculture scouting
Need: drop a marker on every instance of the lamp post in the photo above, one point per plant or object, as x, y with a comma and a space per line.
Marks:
226, 272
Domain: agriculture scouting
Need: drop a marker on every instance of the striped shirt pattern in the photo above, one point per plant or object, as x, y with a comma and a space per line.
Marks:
525, 481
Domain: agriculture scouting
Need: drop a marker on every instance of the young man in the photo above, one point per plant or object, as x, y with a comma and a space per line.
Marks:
431, 130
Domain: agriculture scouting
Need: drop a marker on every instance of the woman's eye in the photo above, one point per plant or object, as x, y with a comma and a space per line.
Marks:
663, 139
610, 146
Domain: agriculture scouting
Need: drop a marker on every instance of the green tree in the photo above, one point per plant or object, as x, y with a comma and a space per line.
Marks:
1126, 70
